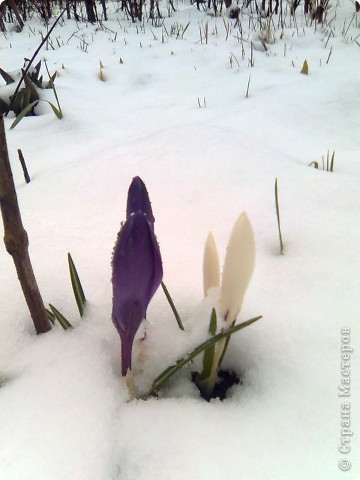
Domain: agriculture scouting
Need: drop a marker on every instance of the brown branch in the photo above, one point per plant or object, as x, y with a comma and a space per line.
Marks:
16, 239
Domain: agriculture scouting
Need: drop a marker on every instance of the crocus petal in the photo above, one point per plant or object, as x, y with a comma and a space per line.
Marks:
238, 268
137, 273
138, 200
211, 265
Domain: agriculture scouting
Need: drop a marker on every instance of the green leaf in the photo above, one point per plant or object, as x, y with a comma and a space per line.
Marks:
52, 79
55, 110
209, 352
17, 101
22, 114
30, 86
60, 318
37, 68
172, 305
35, 80
225, 346
50, 316
8, 78
213, 322
76, 285
26, 99
170, 371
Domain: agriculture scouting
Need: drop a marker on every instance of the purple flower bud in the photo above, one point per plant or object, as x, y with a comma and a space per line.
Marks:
138, 200
136, 275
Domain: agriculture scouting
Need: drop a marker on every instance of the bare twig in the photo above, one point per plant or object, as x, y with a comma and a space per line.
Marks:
16, 239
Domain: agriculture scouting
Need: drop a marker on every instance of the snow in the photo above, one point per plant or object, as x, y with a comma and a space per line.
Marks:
64, 409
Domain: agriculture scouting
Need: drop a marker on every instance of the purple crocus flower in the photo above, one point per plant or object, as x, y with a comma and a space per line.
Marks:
137, 273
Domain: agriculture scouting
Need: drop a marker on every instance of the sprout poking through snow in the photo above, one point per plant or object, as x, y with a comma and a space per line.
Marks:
136, 269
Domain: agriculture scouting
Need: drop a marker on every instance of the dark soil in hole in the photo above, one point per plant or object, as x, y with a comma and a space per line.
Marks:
227, 378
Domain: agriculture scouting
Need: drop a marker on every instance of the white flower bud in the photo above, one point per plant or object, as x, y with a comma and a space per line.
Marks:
238, 268
211, 265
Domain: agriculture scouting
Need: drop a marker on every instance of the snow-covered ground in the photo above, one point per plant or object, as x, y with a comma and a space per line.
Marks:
174, 111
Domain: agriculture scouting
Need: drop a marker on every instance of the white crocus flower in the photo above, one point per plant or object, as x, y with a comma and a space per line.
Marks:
237, 271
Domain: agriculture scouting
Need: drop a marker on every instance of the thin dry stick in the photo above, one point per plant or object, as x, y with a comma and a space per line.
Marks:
332, 162
352, 18
327, 61
247, 88
16, 239
23, 166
